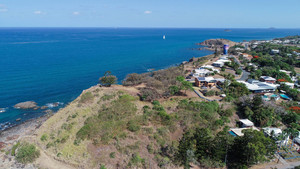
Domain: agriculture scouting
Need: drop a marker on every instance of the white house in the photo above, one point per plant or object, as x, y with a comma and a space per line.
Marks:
218, 64
260, 87
201, 72
291, 85
275, 51
246, 123
276, 131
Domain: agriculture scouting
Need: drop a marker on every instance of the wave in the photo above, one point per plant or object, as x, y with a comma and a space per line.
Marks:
55, 104
2, 110
5, 125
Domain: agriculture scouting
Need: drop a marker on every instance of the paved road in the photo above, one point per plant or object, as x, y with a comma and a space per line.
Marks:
245, 74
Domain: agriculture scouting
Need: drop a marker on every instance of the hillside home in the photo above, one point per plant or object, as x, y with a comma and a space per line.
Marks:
260, 87
246, 123
275, 51
270, 131
208, 82
267, 79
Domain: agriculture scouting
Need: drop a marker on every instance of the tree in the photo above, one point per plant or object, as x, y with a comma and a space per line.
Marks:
174, 90
184, 85
186, 148
250, 149
108, 79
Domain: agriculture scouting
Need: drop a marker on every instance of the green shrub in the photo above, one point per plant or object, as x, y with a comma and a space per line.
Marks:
112, 155
102, 166
86, 97
50, 144
27, 153
107, 97
150, 148
210, 93
238, 72
136, 160
13, 150
133, 126
44, 137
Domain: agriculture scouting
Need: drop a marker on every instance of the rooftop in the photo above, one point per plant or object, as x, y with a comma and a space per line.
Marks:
247, 122
268, 78
259, 86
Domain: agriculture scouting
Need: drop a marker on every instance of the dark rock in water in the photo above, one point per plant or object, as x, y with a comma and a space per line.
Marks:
19, 119
44, 107
55, 104
192, 59
27, 105
48, 111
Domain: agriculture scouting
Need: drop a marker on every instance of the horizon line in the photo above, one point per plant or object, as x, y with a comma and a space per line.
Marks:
114, 27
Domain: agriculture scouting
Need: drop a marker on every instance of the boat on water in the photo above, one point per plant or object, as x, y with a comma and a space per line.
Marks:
164, 37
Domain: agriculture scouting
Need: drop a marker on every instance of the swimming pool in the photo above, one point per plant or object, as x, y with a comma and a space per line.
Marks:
285, 96
232, 133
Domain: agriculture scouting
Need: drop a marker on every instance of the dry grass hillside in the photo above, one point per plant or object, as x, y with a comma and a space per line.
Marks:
122, 130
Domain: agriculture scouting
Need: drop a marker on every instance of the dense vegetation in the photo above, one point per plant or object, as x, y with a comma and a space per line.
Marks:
271, 64
201, 147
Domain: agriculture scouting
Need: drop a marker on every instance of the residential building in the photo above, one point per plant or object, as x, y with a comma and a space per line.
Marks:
272, 131
260, 87
275, 51
218, 64
267, 79
208, 82
246, 123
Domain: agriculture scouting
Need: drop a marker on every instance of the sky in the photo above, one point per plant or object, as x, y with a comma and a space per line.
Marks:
151, 13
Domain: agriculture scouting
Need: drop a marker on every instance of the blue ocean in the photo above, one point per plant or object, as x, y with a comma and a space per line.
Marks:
49, 65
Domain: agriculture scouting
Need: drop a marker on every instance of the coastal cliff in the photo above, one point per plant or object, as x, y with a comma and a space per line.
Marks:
216, 43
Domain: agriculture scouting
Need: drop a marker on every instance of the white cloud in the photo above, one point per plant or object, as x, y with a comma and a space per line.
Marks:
38, 12
76, 13
3, 10
147, 12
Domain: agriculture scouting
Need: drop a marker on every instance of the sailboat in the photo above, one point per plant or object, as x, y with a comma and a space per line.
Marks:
164, 37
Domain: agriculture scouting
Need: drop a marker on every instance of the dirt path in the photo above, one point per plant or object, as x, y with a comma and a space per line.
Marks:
44, 161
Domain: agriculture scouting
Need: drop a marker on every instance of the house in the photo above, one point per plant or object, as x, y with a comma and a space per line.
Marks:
218, 64
201, 72
207, 67
247, 56
208, 82
246, 123
253, 81
274, 51
297, 139
260, 87
286, 72
272, 131
267, 79
290, 85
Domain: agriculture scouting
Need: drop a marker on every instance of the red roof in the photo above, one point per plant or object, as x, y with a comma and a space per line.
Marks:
295, 108
282, 80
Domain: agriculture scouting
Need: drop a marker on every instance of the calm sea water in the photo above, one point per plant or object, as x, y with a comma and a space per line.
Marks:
49, 65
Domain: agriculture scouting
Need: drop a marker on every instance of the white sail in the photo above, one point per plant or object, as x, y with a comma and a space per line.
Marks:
164, 37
